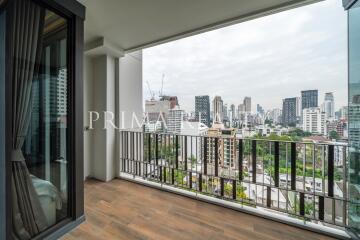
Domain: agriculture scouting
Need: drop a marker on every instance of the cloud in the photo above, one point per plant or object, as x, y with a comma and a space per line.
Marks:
269, 58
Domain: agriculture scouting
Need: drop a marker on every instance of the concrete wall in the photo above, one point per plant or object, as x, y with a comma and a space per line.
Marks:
131, 89
115, 85
88, 105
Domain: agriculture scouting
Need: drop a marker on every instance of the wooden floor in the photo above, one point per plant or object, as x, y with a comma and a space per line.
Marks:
125, 210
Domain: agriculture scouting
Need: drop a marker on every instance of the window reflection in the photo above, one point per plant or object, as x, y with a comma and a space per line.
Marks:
2, 118
45, 147
354, 116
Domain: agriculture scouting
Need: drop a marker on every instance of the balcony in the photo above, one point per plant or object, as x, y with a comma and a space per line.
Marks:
124, 210
298, 183
60, 71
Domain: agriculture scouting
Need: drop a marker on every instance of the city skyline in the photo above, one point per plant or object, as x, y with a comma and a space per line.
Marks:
232, 65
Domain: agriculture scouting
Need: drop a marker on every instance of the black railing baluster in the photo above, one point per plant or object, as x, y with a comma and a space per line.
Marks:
216, 157
173, 176
163, 158
122, 151
205, 154
130, 153
177, 152
139, 153
132, 145
190, 179
156, 149
330, 170
268, 197
302, 204
241, 159
276, 163
222, 187
143, 148
321, 208
127, 152
149, 147
253, 151
145, 170
185, 154
293, 166
234, 189
159, 172
135, 154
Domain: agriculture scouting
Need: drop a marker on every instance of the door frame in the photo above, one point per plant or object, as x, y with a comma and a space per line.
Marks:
74, 13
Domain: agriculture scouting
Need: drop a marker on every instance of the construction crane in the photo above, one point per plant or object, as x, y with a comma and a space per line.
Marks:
152, 94
162, 85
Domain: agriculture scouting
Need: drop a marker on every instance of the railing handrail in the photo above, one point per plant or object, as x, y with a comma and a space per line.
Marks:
339, 144
168, 158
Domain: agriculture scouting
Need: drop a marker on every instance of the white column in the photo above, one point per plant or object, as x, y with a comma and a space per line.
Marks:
130, 98
100, 143
130, 90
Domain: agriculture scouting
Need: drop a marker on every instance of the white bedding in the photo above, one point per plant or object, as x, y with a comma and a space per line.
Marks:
49, 196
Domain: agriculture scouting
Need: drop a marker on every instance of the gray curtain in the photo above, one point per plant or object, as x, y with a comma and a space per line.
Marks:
28, 216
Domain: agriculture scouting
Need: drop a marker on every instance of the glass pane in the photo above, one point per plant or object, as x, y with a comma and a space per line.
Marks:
354, 116
2, 123
46, 141
40, 100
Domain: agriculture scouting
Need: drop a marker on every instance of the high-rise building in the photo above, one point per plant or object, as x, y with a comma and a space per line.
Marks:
338, 126
275, 115
218, 110
241, 112
172, 99
314, 120
344, 112
241, 108
298, 107
226, 146
174, 120
195, 145
329, 106
247, 104
354, 121
157, 110
289, 111
309, 99
225, 111
59, 88
202, 109
260, 109
232, 112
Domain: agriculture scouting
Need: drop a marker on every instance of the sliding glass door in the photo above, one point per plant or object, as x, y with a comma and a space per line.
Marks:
2, 125
39, 164
354, 116
46, 174
45, 146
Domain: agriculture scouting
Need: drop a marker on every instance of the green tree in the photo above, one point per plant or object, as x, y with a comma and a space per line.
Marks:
268, 121
193, 160
334, 135
299, 133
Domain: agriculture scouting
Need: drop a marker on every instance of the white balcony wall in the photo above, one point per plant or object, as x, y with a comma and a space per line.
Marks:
88, 105
131, 90
114, 84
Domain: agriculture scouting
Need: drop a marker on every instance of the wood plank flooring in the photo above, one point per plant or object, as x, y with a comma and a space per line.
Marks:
124, 210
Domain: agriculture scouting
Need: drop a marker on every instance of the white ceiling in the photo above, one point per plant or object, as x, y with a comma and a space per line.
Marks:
134, 24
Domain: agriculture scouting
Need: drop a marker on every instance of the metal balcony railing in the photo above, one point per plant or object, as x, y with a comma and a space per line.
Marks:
304, 180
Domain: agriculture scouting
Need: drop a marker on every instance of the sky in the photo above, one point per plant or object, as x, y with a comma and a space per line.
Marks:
268, 59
